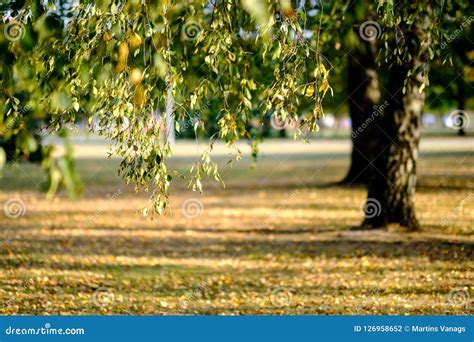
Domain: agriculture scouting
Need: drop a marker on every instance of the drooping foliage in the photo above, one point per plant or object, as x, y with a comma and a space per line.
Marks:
124, 65
137, 70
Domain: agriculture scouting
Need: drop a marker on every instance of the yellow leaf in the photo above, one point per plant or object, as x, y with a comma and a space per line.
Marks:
324, 85
309, 91
422, 87
136, 75
106, 36
139, 96
316, 72
322, 69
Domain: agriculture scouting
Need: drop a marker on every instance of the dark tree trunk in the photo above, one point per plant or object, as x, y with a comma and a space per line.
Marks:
392, 189
364, 96
461, 97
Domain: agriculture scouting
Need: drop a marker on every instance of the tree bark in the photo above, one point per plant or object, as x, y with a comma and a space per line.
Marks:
391, 197
461, 97
364, 96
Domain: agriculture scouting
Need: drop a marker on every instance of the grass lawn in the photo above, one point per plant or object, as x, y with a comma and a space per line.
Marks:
275, 241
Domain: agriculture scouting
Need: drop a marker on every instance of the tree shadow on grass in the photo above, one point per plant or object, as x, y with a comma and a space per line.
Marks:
216, 248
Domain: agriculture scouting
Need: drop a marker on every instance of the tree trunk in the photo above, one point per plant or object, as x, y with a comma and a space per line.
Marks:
364, 96
392, 189
461, 97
